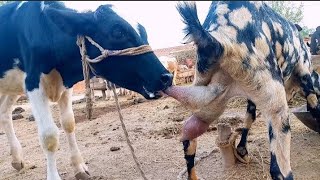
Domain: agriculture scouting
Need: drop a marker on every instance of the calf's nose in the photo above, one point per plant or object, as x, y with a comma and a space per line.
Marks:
166, 79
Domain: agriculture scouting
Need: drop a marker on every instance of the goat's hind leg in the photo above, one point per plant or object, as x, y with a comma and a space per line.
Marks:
249, 119
6, 103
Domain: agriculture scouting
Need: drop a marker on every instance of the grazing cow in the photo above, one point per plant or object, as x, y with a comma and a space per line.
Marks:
171, 64
245, 49
40, 56
315, 42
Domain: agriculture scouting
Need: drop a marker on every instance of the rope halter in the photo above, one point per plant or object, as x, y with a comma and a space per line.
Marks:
106, 53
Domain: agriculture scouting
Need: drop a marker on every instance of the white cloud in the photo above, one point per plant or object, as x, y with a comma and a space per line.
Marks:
163, 22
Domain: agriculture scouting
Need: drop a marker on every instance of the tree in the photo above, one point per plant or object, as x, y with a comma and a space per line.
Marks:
292, 12
307, 31
288, 10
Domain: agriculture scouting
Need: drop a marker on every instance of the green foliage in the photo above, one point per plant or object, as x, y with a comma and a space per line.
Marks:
288, 9
306, 31
292, 12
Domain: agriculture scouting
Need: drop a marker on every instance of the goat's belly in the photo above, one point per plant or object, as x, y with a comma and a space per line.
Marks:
12, 83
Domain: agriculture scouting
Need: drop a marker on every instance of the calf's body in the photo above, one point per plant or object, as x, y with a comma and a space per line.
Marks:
40, 57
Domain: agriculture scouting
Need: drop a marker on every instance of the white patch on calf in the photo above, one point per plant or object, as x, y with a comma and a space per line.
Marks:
47, 129
52, 85
16, 62
42, 5
13, 82
240, 17
20, 4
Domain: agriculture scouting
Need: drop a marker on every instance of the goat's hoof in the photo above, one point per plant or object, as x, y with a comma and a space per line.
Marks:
18, 165
242, 151
242, 155
83, 175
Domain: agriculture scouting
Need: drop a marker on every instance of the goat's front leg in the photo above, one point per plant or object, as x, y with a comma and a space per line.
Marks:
273, 104
189, 148
192, 129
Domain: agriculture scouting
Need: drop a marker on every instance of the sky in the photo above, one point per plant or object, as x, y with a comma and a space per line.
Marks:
163, 22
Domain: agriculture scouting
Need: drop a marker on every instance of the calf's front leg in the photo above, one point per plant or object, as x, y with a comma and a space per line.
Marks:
47, 130
68, 124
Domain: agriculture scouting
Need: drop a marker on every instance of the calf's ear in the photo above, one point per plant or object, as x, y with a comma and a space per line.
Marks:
71, 22
143, 34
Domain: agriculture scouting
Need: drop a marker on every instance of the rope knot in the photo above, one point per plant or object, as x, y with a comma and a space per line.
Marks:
105, 53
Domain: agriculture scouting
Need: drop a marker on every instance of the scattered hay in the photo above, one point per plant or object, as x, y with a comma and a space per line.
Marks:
233, 121
240, 102
168, 132
237, 102
297, 100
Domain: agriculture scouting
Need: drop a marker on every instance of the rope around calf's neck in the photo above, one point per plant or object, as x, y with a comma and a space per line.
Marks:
86, 73
126, 133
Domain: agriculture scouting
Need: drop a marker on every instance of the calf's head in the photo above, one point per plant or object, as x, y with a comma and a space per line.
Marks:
140, 73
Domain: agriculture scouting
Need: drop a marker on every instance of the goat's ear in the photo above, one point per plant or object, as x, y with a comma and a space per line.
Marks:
298, 27
71, 22
143, 33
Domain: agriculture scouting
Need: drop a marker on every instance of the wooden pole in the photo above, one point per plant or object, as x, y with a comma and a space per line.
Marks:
86, 75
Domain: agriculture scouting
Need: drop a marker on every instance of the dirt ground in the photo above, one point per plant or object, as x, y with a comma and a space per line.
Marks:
154, 129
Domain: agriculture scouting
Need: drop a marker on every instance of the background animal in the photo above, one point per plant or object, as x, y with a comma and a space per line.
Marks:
171, 64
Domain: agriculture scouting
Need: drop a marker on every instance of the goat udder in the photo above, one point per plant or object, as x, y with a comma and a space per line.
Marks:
193, 128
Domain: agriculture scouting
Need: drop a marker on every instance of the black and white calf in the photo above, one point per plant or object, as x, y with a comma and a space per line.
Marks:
245, 49
39, 56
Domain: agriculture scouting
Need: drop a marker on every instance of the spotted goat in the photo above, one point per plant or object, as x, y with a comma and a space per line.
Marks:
245, 49
250, 116
40, 56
